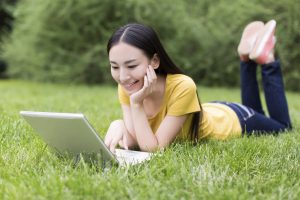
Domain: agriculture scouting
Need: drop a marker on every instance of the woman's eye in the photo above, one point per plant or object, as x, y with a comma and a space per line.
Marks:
132, 66
114, 67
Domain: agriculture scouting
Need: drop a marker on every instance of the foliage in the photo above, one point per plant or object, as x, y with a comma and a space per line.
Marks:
6, 7
65, 41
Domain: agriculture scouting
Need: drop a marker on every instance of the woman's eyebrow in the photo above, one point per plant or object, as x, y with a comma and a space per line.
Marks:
112, 62
126, 62
129, 61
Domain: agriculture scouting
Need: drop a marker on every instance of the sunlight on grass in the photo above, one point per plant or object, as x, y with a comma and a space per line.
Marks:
265, 167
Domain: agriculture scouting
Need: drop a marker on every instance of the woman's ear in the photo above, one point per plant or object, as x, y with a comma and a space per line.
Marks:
155, 61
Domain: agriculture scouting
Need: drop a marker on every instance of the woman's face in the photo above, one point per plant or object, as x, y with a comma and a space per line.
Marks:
128, 66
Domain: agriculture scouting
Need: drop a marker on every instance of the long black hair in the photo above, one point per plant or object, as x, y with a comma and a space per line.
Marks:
146, 39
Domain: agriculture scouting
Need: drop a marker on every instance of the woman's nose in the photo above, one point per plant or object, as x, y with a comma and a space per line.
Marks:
124, 75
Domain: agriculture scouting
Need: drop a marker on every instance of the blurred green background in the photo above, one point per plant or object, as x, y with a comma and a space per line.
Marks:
65, 40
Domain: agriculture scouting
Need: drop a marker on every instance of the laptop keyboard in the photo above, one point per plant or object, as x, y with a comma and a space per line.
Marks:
131, 157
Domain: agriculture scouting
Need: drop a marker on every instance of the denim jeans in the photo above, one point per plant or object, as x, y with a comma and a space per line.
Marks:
250, 112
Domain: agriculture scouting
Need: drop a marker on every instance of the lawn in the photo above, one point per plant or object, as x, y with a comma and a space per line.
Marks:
265, 167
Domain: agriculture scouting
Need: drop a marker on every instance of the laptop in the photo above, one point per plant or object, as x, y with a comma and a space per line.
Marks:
72, 134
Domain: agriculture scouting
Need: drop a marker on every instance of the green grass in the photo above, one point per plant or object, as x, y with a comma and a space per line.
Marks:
266, 167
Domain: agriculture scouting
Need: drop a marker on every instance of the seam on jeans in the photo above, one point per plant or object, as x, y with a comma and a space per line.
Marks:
246, 109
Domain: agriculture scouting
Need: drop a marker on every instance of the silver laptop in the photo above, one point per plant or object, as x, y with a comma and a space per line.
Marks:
72, 134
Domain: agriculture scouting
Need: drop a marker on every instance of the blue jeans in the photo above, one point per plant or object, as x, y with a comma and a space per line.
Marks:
250, 112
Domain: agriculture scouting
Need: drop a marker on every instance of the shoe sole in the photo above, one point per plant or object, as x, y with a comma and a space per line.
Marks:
263, 38
249, 36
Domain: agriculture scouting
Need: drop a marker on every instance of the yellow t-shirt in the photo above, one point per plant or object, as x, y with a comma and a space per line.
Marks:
219, 122
180, 98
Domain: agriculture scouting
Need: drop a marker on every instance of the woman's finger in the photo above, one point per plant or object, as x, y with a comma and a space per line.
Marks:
150, 82
113, 145
125, 143
153, 74
121, 144
107, 140
146, 84
149, 75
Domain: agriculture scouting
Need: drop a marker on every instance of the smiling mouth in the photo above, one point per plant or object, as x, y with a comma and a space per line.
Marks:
128, 86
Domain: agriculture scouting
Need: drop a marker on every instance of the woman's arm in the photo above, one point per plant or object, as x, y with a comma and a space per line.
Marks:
118, 134
128, 121
166, 133
169, 127
130, 138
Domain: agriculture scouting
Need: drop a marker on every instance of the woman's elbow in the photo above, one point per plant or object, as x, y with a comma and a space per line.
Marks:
154, 148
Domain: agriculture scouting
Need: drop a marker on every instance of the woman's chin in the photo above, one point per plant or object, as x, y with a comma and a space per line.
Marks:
130, 92
133, 89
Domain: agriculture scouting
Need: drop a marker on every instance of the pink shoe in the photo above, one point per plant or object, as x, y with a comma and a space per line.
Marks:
265, 43
248, 39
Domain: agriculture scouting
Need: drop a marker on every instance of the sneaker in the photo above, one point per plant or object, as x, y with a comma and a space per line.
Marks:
264, 44
248, 39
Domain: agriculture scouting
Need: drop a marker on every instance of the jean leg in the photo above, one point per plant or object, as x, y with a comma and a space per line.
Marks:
249, 86
253, 122
275, 94
260, 124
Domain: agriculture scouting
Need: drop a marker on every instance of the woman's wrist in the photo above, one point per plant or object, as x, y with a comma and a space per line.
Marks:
135, 104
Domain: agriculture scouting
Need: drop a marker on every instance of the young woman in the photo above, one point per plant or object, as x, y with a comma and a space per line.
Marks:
160, 103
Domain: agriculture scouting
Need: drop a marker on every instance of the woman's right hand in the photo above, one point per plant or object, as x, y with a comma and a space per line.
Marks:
149, 82
116, 135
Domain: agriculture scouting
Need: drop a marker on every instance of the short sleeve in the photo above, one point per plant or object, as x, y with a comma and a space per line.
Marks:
123, 96
183, 98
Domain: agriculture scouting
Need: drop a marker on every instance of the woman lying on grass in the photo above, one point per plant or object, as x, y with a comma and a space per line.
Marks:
160, 103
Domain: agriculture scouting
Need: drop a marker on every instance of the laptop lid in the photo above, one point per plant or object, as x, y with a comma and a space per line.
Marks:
67, 133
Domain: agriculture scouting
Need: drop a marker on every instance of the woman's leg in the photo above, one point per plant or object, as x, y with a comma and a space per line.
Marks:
249, 86
255, 122
262, 53
275, 94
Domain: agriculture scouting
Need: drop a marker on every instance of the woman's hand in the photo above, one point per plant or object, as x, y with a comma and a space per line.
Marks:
116, 135
149, 82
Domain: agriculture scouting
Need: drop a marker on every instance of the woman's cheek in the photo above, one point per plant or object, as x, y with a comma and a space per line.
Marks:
114, 76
